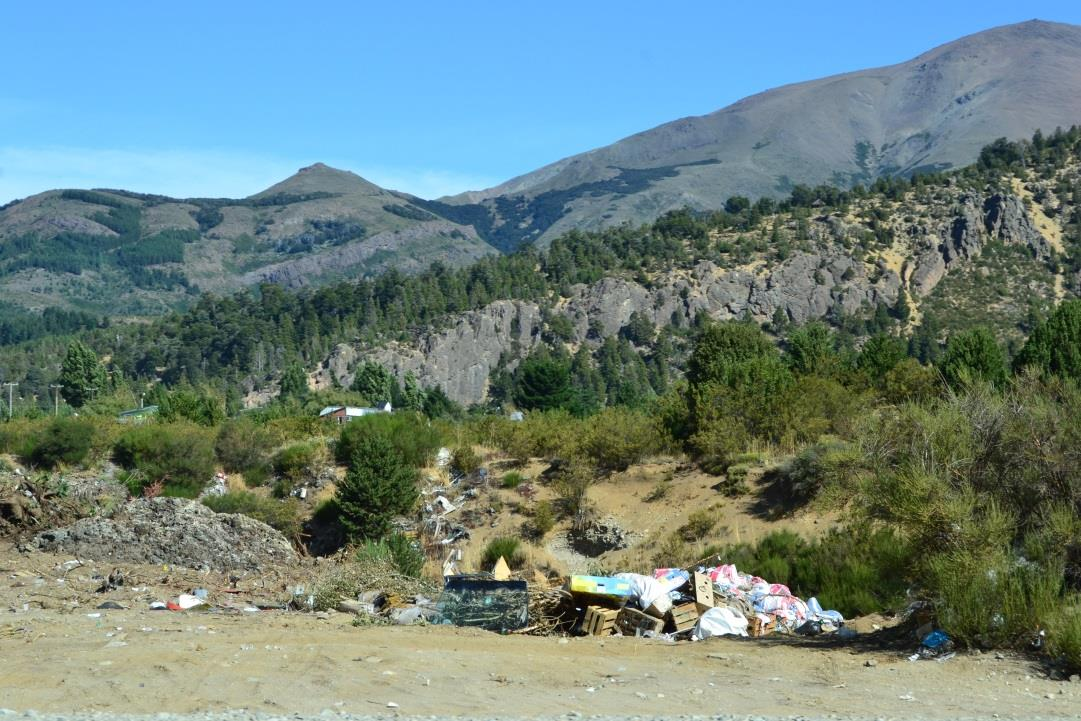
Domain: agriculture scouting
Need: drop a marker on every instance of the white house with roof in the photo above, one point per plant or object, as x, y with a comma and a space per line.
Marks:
344, 414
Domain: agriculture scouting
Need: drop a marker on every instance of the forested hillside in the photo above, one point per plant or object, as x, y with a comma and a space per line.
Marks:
113, 252
995, 245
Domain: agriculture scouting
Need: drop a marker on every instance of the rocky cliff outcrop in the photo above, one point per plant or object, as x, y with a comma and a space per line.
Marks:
460, 357
961, 238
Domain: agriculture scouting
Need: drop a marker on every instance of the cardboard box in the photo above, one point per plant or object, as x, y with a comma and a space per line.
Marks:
758, 627
632, 622
703, 592
599, 621
599, 586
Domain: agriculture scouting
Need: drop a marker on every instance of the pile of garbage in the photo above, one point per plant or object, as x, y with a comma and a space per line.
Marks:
695, 603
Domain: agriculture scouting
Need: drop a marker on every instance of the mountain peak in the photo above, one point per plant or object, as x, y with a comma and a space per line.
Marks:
322, 178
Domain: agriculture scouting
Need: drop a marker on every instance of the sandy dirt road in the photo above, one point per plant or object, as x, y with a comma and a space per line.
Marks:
137, 661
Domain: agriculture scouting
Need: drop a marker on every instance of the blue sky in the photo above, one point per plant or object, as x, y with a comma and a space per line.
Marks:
226, 98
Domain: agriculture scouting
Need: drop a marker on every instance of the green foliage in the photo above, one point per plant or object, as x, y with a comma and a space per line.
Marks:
973, 355
831, 461
81, 375
1064, 634
910, 382
618, 437
295, 462
64, 441
414, 439
722, 350
294, 382
543, 384
243, 445
986, 598
974, 480
465, 460
284, 515
511, 479
507, 548
699, 525
375, 383
403, 553
572, 485
857, 570
1055, 345
543, 519
198, 405
379, 485
179, 455
880, 354
811, 350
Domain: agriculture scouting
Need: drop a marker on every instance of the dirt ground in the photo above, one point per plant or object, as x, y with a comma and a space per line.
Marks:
61, 653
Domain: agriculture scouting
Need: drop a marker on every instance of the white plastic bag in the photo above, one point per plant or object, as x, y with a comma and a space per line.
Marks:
721, 621
648, 590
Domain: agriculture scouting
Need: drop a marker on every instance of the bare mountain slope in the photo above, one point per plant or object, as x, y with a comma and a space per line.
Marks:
932, 112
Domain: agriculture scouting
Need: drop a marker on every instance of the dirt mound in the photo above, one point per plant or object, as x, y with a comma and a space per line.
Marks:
172, 531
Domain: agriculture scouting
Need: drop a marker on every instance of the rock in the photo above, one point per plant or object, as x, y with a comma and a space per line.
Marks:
870, 663
1007, 219
598, 537
173, 531
1075, 678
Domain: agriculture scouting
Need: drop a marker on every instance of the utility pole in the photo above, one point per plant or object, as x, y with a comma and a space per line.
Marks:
56, 398
11, 394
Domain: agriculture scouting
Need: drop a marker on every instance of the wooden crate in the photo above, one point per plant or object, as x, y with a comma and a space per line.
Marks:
632, 622
599, 621
757, 627
683, 617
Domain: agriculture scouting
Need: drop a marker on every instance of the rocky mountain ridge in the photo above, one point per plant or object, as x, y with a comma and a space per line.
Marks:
824, 281
932, 112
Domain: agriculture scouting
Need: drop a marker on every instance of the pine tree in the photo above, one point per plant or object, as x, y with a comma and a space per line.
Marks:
294, 383
374, 382
378, 487
974, 355
81, 375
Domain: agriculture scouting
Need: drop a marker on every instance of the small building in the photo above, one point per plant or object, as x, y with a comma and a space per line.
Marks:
344, 414
137, 415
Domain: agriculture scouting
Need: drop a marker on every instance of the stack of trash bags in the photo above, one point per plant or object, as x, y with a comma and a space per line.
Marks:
698, 603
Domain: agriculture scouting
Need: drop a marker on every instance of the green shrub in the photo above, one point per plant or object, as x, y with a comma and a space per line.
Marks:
572, 488
284, 515
507, 548
180, 455
1064, 634
856, 570
659, 491
991, 599
734, 483
257, 476
404, 554
408, 557
65, 440
543, 520
295, 462
411, 436
465, 460
830, 461
699, 525
617, 438
15, 433
242, 445
512, 479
